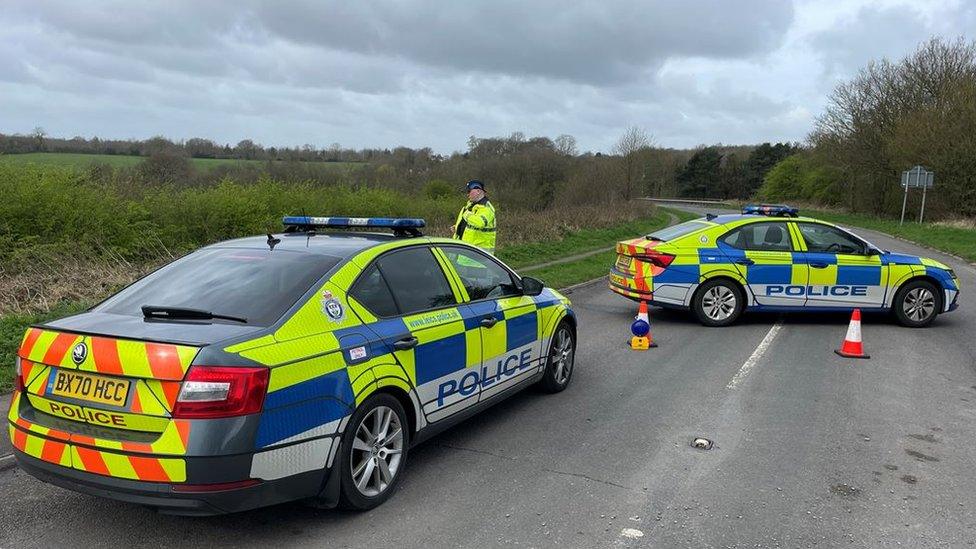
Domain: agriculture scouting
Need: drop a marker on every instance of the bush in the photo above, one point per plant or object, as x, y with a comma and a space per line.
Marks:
802, 177
438, 188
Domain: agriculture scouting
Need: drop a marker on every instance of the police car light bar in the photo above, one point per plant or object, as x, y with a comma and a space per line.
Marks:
400, 225
775, 210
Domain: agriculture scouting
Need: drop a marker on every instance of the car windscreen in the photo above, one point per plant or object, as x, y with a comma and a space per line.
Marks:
259, 285
677, 231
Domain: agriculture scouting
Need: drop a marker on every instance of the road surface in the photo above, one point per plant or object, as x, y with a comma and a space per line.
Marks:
810, 450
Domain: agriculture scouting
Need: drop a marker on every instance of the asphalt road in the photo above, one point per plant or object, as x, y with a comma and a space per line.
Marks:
810, 450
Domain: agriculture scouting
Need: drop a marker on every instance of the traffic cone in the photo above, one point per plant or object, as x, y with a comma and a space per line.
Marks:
641, 328
852, 347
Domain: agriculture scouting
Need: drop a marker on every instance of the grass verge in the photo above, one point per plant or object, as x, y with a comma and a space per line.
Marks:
953, 240
586, 240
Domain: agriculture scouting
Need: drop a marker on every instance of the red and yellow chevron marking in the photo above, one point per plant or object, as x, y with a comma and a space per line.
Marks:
121, 357
172, 441
145, 468
629, 293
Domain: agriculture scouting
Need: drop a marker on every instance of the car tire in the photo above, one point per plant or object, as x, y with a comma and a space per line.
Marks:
718, 302
560, 360
364, 485
917, 303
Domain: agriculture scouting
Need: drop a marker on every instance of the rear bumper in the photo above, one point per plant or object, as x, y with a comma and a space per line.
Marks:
162, 496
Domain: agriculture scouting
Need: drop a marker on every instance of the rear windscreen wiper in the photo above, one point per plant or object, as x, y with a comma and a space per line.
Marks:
184, 313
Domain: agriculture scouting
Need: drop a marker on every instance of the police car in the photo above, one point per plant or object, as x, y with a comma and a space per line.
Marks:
266, 369
768, 258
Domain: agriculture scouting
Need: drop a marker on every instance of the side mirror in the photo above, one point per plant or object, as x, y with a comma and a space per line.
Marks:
531, 286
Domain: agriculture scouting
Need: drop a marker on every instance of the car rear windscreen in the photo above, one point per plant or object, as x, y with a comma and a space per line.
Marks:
677, 231
259, 285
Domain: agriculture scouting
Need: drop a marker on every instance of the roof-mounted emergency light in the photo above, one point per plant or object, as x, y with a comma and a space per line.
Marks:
400, 226
774, 210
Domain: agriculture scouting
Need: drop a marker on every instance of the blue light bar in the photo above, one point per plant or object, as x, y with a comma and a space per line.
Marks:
398, 224
779, 210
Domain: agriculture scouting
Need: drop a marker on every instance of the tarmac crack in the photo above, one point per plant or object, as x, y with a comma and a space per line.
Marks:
587, 477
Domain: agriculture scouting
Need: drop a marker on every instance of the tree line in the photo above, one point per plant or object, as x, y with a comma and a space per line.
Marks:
893, 115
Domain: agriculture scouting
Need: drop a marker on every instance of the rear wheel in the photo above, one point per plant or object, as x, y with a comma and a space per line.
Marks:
559, 363
917, 303
373, 452
718, 302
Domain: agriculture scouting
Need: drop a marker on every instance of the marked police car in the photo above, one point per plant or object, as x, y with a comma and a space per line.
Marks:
769, 259
301, 365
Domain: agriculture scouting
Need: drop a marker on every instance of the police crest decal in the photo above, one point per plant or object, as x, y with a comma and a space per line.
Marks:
332, 307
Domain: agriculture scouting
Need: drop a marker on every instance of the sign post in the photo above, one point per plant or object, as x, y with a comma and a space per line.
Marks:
917, 177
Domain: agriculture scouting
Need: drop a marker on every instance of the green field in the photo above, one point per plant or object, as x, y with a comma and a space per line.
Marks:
124, 161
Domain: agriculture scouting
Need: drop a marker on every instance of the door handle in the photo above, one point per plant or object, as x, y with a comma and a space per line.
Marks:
406, 343
489, 321
818, 265
745, 261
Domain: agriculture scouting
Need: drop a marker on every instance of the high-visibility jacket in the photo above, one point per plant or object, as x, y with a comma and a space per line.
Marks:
476, 225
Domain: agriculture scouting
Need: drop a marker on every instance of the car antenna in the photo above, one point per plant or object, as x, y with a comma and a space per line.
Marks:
710, 216
272, 241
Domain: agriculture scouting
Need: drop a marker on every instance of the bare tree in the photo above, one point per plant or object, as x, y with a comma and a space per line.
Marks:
630, 146
566, 145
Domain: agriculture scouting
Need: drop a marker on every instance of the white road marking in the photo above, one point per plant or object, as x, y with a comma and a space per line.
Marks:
755, 356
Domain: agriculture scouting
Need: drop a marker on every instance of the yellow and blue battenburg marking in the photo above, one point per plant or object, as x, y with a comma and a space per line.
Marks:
668, 273
322, 367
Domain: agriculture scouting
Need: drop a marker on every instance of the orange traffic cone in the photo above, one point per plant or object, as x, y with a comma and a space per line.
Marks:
852, 347
641, 328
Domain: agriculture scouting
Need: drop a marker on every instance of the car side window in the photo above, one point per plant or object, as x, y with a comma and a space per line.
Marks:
824, 238
771, 236
416, 280
372, 291
482, 277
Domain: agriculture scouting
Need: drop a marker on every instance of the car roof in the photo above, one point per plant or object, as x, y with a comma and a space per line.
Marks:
732, 218
342, 244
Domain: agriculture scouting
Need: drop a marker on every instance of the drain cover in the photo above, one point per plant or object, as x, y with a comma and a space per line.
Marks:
701, 443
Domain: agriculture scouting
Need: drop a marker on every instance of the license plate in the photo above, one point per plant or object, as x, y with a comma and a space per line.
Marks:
623, 263
89, 387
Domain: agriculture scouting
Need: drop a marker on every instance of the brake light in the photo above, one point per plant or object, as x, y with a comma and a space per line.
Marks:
659, 259
18, 375
220, 391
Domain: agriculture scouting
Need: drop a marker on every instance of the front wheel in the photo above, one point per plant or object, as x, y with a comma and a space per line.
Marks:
917, 303
373, 452
559, 363
718, 302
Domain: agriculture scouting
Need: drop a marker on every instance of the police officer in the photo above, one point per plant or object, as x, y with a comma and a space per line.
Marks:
476, 222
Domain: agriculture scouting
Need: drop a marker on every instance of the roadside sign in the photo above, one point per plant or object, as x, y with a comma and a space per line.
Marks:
917, 177
920, 178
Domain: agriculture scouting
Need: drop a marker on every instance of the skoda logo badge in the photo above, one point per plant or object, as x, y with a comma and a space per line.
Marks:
79, 353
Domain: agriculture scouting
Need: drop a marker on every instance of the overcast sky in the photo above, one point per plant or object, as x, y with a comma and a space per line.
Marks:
426, 73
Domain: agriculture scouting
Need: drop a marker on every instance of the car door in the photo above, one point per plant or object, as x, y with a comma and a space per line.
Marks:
845, 271
763, 254
423, 327
506, 320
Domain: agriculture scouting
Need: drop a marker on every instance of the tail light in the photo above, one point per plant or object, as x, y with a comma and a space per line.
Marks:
18, 375
218, 391
659, 259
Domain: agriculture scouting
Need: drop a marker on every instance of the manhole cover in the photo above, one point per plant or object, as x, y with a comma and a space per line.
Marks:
701, 443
